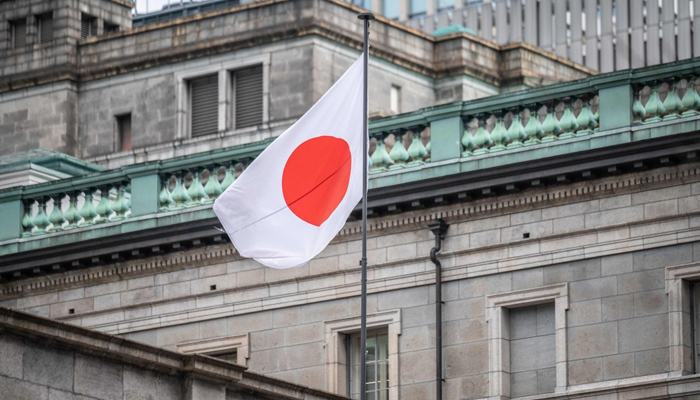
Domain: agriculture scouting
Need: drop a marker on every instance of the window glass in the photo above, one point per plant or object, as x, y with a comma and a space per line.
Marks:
418, 7
391, 9
124, 129
377, 366
366, 4
395, 99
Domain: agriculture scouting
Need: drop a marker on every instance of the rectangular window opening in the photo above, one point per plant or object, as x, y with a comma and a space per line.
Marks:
18, 33
124, 132
109, 28
532, 350
395, 99
45, 27
230, 356
248, 92
204, 105
88, 26
377, 366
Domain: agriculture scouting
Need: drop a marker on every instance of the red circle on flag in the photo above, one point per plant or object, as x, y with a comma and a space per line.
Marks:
315, 178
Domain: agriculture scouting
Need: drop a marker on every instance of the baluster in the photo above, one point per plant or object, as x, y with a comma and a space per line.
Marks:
88, 211
568, 121
212, 188
127, 198
41, 221
71, 215
482, 138
691, 99
180, 196
104, 209
550, 125
27, 224
196, 190
56, 217
228, 177
120, 206
380, 158
165, 200
398, 153
467, 138
672, 103
533, 129
654, 108
638, 110
585, 119
499, 136
416, 151
516, 132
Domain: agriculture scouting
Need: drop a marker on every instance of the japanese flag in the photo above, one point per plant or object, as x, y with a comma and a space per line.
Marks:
294, 198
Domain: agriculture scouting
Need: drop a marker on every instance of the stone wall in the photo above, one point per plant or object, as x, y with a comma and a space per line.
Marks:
43, 117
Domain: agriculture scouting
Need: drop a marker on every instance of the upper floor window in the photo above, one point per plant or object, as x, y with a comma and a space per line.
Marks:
248, 103
377, 366
366, 4
391, 9
18, 33
395, 99
45, 27
109, 28
88, 26
204, 105
124, 132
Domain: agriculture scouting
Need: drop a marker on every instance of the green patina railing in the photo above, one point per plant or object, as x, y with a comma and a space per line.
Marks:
596, 112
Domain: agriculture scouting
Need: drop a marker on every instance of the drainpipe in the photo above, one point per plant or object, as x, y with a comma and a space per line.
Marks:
439, 228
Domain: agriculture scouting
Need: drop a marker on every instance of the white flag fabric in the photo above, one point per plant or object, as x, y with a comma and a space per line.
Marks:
295, 197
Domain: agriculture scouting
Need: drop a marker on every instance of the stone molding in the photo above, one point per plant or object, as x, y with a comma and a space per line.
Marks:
214, 346
336, 358
681, 351
497, 315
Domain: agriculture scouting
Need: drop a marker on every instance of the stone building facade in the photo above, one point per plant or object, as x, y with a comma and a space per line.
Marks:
568, 267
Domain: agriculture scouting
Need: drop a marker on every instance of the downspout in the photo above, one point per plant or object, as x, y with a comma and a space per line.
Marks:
439, 228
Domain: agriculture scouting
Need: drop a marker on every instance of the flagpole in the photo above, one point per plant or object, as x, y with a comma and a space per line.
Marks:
366, 17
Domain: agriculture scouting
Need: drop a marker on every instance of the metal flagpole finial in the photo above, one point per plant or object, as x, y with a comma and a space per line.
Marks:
365, 16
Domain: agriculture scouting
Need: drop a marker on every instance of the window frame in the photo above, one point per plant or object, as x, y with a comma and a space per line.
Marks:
219, 345
40, 20
118, 136
349, 350
92, 21
497, 317
335, 333
679, 281
225, 113
12, 25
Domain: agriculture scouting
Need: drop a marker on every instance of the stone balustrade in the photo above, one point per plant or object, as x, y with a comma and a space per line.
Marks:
498, 131
76, 208
666, 99
197, 185
399, 148
530, 124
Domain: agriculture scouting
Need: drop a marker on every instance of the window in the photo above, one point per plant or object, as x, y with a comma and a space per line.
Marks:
395, 99
506, 342
109, 28
342, 355
391, 9
45, 27
18, 33
532, 348
377, 369
366, 4
88, 26
124, 132
248, 89
683, 290
204, 105
418, 8
230, 348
